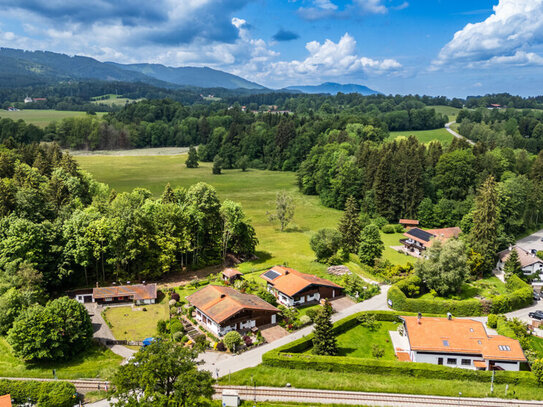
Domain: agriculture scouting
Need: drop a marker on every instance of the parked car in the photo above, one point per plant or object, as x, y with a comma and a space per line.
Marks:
536, 315
537, 296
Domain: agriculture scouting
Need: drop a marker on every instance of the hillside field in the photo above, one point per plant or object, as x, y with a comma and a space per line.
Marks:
424, 136
112, 99
451, 112
254, 189
41, 118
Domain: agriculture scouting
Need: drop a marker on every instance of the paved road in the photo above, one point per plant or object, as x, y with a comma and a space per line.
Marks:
532, 242
455, 134
221, 364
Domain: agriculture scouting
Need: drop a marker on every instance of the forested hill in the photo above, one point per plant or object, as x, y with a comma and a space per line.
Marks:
334, 88
24, 68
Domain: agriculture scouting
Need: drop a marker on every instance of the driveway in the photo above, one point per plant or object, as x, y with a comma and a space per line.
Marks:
532, 242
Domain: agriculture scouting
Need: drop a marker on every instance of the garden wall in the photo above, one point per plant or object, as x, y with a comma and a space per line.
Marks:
519, 296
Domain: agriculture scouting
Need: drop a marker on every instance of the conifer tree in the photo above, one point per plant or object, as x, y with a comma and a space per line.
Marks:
371, 245
217, 165
192, 159
349, 226
512, 265
168, 196
324, 340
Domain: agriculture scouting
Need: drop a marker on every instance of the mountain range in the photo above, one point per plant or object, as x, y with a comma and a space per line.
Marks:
26, 68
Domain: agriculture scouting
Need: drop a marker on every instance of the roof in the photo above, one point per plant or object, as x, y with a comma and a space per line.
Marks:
479, 363
290, 281
231, 272
137, 291
425, 237
220, 303
525, 257
5, 401
408, 222
464, 336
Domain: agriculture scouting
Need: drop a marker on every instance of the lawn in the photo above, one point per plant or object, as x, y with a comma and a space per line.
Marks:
451, 112
96, 362
112, 99
424, 136
395, 257
41, 118
486, 288
254, 189
389, 383
128, 324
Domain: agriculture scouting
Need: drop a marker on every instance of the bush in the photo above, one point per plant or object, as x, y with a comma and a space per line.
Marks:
248, 341
184, 339
178, 336
388, 229
311, 313
267, 296
162, 327
221, 347
325, 243
42, 394
232, 340
305, 320
492, 321
377, 351
176, 326
399, 228
175, 296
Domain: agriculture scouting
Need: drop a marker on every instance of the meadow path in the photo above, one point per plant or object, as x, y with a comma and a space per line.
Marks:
455, 134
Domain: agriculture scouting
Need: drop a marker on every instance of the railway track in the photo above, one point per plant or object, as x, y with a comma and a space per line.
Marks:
369, 399
82, 386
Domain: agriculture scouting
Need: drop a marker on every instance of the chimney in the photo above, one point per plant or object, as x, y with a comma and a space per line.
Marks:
223, 295
449, 316
144, 282
97, 285
419, 317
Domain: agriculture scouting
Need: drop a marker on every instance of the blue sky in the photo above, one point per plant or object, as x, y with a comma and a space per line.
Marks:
436, 47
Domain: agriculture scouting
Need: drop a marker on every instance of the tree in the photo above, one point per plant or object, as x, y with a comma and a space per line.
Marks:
284, 209
232, 340
325, 243
163, 375
445, 268
512, 265
232, 216
192, 159
537, 370
349, 226
371, 246
243, 163
324, 340
57, 331
217, 165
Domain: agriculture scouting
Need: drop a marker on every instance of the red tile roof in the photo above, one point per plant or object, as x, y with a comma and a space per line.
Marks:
464, 336
408, 222
5, 401
136, 291
220, 303
291, 282
231, 272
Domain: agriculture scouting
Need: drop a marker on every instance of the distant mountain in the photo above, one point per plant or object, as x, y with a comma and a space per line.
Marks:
22, 68
333, 88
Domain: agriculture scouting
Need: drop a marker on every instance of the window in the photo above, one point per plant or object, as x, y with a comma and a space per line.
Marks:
451, 361
504, 347
466, 362
445, 342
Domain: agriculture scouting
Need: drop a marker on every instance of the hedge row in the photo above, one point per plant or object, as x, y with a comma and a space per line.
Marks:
520, 296
290, 356
41, 394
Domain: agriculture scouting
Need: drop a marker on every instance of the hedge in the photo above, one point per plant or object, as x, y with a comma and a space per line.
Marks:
41, 394
520, 296
290, 356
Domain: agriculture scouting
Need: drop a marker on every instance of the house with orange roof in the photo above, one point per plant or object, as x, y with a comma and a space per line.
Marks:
223, 309
140, 294
462, 343
409, 223
418, 240
230, 275
292, 288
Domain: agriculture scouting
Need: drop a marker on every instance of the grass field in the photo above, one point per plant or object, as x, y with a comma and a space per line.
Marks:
41, 118
486, 288
393, 239
112, 99
451, 112
96, 362
424, 136
136, 325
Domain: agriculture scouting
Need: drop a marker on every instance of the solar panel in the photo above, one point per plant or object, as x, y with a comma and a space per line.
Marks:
271, 274
420, 234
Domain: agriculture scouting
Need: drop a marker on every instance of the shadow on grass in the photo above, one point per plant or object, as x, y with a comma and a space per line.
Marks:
346, 351
296, 229
261, 257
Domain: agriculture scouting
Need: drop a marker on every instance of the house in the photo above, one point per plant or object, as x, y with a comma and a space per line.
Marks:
5, 401
493, 106
418, 240
409, 223
292, 288
39, 99
462, 343
530, 263
138, 293
224, 309
231, 275
28, 99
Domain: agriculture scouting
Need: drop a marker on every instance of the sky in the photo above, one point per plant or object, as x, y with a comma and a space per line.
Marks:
455, 48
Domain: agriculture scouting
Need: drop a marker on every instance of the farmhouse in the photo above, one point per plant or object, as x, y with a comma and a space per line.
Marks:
409, 223
462, 343
418, 240
231, 275
530, 263
292, 288
223, 309
138, 293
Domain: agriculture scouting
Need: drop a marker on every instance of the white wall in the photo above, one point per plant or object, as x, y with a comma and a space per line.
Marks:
514, 367
433, 359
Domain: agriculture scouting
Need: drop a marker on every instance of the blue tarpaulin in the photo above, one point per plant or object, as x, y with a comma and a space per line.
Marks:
148, 341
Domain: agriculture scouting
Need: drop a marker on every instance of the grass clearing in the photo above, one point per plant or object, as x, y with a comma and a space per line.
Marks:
135, 324
451, 112
112, 99
395, 257
424, 136
97, 362
41, 118
486, 288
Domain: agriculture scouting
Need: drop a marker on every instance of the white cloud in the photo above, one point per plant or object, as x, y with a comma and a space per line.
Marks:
508, 36
371, 6
327, 8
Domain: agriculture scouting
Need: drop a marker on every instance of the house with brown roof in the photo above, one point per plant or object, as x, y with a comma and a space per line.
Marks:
292, 288
140, 294
409, 223
418, 240
530, 263
223, 309
462, 343
230, 275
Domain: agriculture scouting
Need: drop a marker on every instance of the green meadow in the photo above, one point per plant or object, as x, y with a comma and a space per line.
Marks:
424, 136
112, 99
41, 118
451, 112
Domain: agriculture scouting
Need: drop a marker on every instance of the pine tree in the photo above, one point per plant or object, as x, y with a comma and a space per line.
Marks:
512, 265
168, 196
349, 226
217, 165
324, 340
371, 245
192, 159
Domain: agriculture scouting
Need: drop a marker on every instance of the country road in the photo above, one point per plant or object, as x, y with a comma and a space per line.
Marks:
455, 134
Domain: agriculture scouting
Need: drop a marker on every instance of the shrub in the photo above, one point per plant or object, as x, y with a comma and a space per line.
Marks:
267, 296
232, 340
377, 351
175, 296
162, 327
178, 336
388, 229
537, 369
248, 341
176, 326
368, 320
184, 339
399, 228
492, 321
305, 320
221, 347
311, 313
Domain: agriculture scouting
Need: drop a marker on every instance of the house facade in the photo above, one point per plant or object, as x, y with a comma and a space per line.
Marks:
531, 264
293, 288
223, 309
418, 240
140, 294
461, 343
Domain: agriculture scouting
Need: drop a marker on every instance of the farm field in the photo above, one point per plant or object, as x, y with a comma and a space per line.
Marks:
451, 112
424, 136
41, 118
96, 362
